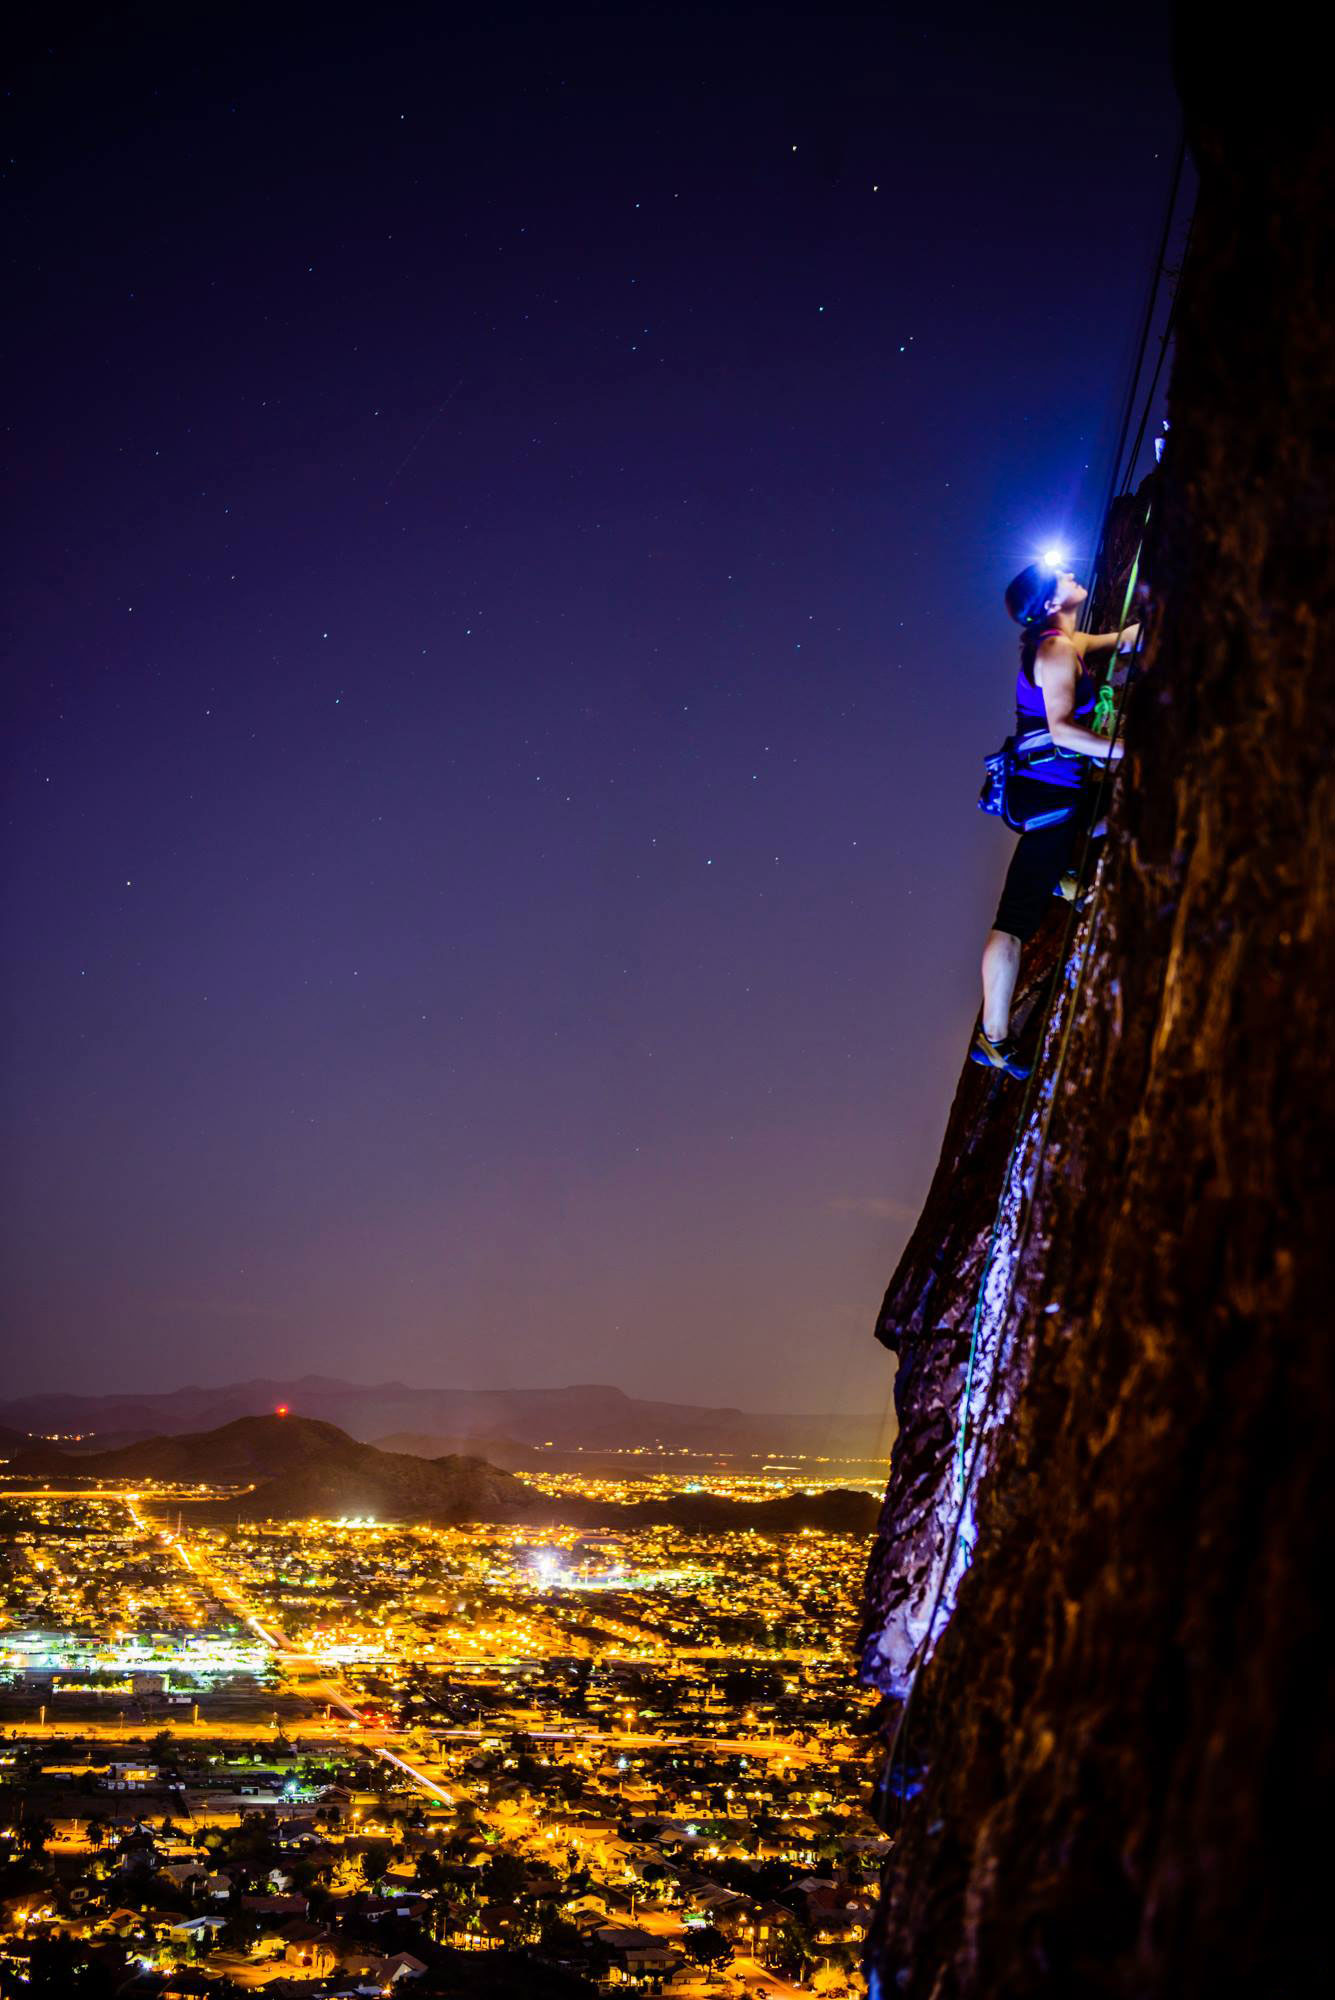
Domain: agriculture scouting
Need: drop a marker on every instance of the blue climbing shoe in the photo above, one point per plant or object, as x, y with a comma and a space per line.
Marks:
1004, 1055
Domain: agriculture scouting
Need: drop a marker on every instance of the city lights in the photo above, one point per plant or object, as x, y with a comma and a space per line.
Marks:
379, 1687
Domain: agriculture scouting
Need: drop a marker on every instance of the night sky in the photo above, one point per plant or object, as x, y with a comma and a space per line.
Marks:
505, 616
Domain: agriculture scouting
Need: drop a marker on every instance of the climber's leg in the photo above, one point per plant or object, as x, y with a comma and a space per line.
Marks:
1026, 897
1037, 866
1001, 967
1034, 873
993, 1044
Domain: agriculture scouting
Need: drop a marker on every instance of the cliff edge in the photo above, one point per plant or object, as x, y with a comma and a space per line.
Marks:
1109, 1636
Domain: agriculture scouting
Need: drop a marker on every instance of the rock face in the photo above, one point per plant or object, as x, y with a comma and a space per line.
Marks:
1124, 1684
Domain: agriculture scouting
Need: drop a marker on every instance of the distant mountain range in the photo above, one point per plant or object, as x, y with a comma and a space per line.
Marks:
586, 1416
298, 1468
293, 1467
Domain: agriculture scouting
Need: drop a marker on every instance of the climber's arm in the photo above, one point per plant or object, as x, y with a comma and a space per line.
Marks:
1057, 670
1103, 642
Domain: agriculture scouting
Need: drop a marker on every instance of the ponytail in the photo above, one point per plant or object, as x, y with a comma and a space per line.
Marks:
1028, 597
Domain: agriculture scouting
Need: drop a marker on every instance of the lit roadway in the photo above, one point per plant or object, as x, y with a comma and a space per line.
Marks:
757, 1980
117, 1493
280, 1646
291, 1657
378, 1740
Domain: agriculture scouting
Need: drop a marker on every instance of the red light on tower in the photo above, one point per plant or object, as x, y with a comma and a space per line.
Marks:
281, 1410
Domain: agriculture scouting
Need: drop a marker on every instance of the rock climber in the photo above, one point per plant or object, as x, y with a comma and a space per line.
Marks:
1054, 690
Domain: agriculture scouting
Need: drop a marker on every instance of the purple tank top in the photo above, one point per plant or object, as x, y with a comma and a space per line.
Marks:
1062, 768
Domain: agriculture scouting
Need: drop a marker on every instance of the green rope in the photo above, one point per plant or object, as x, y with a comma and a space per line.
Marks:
1105, 710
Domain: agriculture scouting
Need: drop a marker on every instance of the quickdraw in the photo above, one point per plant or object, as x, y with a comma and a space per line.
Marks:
1105, 710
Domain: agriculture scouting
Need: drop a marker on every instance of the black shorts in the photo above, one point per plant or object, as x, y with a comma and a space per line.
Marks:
1042, 857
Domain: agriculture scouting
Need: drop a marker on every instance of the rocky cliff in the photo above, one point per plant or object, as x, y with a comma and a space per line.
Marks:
1111, 1630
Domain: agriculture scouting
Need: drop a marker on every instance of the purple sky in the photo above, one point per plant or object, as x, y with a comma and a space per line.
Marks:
505, 623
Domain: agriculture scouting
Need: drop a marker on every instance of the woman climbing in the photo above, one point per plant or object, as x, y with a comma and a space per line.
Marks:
1054, 691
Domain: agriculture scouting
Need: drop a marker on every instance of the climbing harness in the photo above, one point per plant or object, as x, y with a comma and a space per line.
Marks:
1019, 757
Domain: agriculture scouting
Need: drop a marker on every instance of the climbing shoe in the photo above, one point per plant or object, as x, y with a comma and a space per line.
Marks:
1004, 1054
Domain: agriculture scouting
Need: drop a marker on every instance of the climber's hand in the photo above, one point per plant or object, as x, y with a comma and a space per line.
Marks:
1127, 640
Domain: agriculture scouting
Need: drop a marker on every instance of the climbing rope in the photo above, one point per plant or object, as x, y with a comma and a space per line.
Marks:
1119, 481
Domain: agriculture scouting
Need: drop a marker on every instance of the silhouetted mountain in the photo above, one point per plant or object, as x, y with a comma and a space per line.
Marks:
387, 1487
295, 1468
250, 1448
591, 1415
503, 1451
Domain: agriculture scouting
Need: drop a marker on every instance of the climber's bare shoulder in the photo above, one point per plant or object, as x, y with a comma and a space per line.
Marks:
1057, 660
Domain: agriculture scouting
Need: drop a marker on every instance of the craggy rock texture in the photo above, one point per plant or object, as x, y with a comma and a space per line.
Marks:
1123, 1731
927, 1321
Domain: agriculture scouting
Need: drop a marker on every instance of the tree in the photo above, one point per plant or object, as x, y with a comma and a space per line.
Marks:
432, 1876
708, 1946
789, 1947
243, 1927
558, 1937
375, 1859
60, 1967
34, 1832
504, 1877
